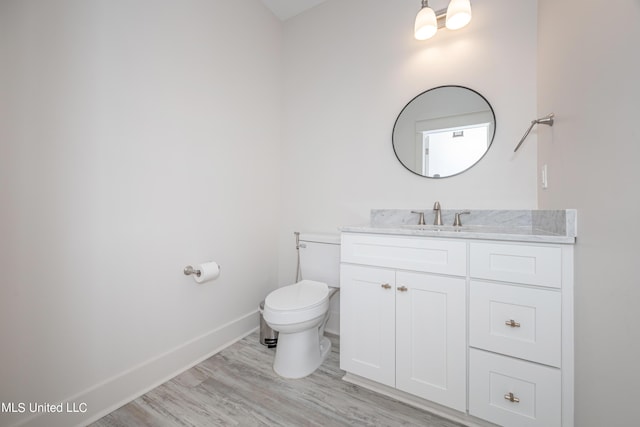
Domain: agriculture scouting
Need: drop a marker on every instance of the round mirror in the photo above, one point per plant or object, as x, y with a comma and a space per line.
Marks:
444, 131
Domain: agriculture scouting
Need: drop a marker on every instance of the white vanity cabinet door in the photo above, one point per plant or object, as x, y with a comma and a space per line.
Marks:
367, 322
431, 337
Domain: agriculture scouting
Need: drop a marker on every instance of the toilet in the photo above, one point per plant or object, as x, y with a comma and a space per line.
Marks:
299, 312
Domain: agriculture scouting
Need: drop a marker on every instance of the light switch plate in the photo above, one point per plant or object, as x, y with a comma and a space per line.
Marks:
545, 177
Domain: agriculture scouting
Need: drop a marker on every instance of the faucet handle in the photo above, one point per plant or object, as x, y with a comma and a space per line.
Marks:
456, 221
436, 206
421, 219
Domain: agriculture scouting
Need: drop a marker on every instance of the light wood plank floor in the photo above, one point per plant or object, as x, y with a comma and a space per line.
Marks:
237, 387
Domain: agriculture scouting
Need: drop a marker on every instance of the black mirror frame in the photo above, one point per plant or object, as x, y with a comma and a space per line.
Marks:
429, 90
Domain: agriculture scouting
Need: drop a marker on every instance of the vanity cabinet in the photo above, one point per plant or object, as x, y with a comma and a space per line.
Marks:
405, 329
482, 327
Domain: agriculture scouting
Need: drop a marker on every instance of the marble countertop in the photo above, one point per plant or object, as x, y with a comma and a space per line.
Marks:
520, 226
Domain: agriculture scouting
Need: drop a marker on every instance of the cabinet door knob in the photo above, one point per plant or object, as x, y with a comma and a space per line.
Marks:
386, 286
512, 323
511, 398
403, 289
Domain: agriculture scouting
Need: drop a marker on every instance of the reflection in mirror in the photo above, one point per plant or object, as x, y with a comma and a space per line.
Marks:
444, 131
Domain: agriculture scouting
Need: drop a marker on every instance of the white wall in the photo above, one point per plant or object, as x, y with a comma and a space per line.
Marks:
136, 137
351, 66
588, 76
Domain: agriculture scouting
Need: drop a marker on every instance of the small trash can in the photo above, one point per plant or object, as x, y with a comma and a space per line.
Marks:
268, 336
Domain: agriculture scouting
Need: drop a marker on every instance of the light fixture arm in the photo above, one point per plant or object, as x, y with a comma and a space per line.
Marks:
441, 14
441, 17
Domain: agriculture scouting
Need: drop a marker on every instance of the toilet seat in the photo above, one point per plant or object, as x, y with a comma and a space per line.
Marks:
302, 295
296, 303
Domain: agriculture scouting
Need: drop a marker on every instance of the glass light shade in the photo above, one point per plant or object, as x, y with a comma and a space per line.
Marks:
426, 24
458, 14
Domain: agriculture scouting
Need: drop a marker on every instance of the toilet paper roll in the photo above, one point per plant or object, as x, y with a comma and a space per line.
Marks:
208, 271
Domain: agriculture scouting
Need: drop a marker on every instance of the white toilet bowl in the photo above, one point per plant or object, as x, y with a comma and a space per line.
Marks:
298, 313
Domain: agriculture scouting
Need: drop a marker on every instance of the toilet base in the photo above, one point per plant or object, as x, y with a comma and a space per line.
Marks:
299, 354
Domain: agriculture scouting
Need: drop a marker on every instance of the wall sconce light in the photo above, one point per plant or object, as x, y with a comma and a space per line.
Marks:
456, 16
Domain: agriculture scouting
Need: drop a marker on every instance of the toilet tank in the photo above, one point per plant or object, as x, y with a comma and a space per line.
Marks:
320, 258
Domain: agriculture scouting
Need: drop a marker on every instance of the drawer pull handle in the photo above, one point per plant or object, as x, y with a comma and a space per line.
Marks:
403, 289
512, 323
386, 286
511, 398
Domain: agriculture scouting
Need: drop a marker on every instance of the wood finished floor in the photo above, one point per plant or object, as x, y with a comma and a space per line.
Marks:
237, 387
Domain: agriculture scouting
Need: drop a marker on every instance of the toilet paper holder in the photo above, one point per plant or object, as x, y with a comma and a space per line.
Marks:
189, 270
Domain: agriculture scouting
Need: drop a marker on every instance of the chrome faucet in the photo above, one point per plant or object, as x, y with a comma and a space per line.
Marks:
456, 221
438, 219
421, 218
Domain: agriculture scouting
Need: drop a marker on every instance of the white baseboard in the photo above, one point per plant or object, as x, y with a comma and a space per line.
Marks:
114, 392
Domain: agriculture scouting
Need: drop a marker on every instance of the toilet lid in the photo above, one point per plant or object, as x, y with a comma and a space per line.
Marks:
301, 295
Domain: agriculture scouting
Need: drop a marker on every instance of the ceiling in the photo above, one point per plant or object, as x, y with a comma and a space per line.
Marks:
285, 9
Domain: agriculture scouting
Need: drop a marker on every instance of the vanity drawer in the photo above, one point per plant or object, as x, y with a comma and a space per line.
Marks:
517, 321
512, 392
528, 264
406, 253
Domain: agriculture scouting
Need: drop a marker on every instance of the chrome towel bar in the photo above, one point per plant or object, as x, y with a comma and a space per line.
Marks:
546, 120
